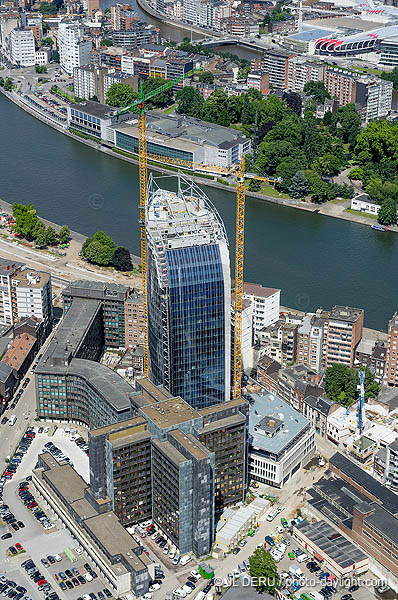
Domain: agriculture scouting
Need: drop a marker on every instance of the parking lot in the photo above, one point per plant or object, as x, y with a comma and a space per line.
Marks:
38, 543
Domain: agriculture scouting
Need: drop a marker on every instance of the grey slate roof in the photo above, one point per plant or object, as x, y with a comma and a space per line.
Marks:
322, 405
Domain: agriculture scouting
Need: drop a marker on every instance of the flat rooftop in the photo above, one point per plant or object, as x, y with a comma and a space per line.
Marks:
269, 405
95, 109
170, 452
31, 279
64, 479
169, 413
345, 313
256, 289
332, 543
194, 447
120, 426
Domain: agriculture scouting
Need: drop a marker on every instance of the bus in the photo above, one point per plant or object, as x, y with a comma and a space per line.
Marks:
12, 420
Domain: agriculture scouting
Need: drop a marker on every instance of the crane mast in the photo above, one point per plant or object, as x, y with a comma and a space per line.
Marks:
239, 254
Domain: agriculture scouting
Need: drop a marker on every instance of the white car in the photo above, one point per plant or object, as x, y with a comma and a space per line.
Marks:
154, 587
147, 596
166, 550
57, 557
155, 535
180, 593
187, 589
78, 550
280, 529
196, 574
172, 554
88, 577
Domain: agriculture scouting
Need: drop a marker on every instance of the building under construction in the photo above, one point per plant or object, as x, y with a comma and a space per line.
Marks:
189, 293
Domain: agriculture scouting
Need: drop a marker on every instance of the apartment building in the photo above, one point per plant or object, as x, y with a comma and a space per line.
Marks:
132, 319
343, 334
341, 85
32, 296
296, 383
258, 80
22, 47
8, 269
317, 410
280, 341
135, 36
240, 25
266, 304
372, 354
88, 81
123, 17
378, 97
74, 49
134, 64
43, 56
281, 440
276, 63
178, 67
310, 341
391, 371
268, 373
302, 70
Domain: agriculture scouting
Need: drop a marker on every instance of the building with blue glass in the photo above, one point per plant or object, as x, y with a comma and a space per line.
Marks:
189, 294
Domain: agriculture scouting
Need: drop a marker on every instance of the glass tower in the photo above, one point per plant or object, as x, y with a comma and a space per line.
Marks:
189, 294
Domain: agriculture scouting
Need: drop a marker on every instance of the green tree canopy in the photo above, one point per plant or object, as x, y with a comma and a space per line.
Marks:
161, 99
120, 95
388, 212
206, 77
51, 236
106, 42
299, 185
328, 164
317, 90
98, 253
190, 102
356, 174
25, 219
64, 234
254, 185
379, 140
122, 260
263, 570
341, 384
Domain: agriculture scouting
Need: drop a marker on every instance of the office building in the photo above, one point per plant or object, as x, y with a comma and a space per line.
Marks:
189, 294
172, 463
93, 119
266, 304
281, 440
391, 371
32, 295
310, 341
74, 49
134, 37
123, 17
96, 528
343, 334
22, 47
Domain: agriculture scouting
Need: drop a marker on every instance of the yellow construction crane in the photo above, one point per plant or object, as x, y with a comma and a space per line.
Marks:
239, 254
143, 177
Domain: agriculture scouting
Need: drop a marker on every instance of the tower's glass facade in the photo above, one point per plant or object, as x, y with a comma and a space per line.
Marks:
188, 298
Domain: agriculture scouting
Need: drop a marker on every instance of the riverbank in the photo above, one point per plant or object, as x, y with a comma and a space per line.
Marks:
329, 209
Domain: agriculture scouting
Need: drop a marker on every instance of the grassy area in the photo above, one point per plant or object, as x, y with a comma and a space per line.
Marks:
84, 135
64, 94
170, 109
338, 201
268, 190
360, 213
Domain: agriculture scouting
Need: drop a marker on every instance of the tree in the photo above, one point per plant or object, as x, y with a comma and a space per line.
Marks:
299, 185
120, 95
41, 69
328, 164
379, 140
99, 254
64, 234
341, 383
122, 260
48, 41
161, 99
106, 42
264, 571
190, 102
317, 90
388, 212
40, 238
55, 56
293, 101
356, 173
254, 185
243, 73
287, 170
206, 77
51, 236
94, 99
319, 190
8, 85
25, 219
391, 76
350, 123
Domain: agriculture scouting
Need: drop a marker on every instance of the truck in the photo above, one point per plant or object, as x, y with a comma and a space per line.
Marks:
12, 420
295, 571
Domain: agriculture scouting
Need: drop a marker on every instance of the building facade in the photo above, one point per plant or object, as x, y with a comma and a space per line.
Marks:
22, 47
343, 334
74, 49
32, 294
189, 295
391, 372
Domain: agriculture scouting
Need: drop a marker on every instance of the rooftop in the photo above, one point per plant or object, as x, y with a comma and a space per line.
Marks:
19, 350
119, 427
169, 413
192, 445
30, 279
269, 405
384, 522
95, 109
345, 313
183, 218
322, 405
170, 453
5, 371
256, 289
331, 543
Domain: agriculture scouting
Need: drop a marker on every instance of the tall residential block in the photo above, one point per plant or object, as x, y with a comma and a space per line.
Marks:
343, 334
74, 49
22, 47
189, 294
391, 370
32, 296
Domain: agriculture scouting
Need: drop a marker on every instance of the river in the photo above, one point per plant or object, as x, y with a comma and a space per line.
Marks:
315, 260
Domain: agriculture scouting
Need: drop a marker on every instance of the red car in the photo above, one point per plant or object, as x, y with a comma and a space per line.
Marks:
32, 504
18, 546
41, 582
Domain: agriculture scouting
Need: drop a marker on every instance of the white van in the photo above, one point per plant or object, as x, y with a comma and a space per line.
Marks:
12, 420
302, 557
185, 560
273, 514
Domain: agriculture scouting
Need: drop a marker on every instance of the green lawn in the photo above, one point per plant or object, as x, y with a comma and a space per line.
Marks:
361, 214
268, 190
170, 109
338, 201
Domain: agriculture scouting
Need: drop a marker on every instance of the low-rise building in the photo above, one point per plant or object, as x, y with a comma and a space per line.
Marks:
8, 384
338, 555
266, 304
234, 524
20, 354
317, 410
372, 354
268, 373
43, 56
362, 203
297, 382
93, 118
281, 440
341, 424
